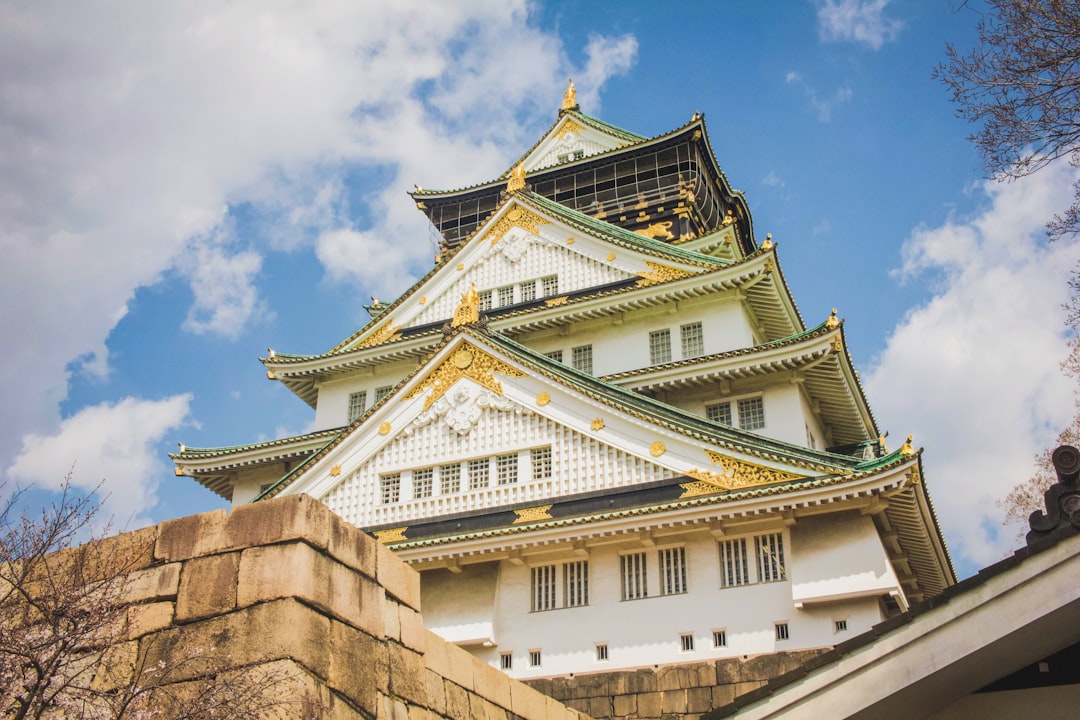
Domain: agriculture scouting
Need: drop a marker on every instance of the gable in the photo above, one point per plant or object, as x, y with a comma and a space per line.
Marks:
567, 141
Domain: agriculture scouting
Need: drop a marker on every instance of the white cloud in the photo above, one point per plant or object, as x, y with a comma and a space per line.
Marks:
127, 133
823, 105
773, 180
111, 444
861, 21
974, 371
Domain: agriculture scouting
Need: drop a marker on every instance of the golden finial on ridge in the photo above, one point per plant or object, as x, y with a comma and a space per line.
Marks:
569, 98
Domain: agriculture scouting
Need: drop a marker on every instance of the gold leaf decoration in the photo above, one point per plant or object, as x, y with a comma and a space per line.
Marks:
540, 512
335, 471
384, 429
468, 310
736, 474
658, 273
693, 489
391, 535
552, 302
657, 449
569, 128
516, 216
386, 333
480, 368
543, 399
598, 424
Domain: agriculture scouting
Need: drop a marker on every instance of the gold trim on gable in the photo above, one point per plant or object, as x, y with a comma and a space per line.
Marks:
540, 512
569, 128
735, 474
658, 273
386, 333
391, 535
516, 216
480, 368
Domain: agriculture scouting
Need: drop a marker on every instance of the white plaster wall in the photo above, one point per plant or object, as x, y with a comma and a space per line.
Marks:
250, 481
332, 406
647, 631
460, 606
839, 555
786, 414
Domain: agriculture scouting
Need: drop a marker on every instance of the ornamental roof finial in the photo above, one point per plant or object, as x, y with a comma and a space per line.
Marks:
832, 321
517, 178
767, 245
468, 311
569, 98
907, 449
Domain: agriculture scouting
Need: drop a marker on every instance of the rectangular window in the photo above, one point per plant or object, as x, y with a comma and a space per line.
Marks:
693, 341
840, 625
543, 588
506, 467
719, 638
751, 413
576, 584
528, 291
357, 403
719, 412
506, 296
770, 554
421, 482
601, 652
686, 641
381, 392
555, 355
485, 300
673, 571
734, 568
541, 463
390, 488
581, 358
478, 473
449, 479
782, 631
550, 285
659, 347
534, 658
632, 575
506, 661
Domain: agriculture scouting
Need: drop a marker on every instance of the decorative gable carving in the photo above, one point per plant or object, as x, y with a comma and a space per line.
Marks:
460, 409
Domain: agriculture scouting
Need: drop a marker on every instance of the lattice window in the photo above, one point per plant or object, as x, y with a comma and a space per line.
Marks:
390, 488
770, 557
719, 412
782, 632
528, 291
576, 584
751, 413
550, 285
719, 638
734, 565
506, 661
485, 300
659, 347
478, 473
449, 479
541, 463
506, 296
581, 358
357, 403
686, 642
543, 588
672, 571
506, 469
693, 340
840, 625
555, 355
601, 652
632, 573
381, 392
534, 658
422, 481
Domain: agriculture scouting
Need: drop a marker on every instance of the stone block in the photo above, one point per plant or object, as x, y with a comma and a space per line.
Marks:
527, 702
398, 579
674, 701
191, 536
590, 685
407, 674
457, 701
673, 677
702, 675
698, 700
482, 709
391, 619
293, 517
149, 617
352, 546
207, 587
413, 633
152, 583
461, 665
624, 705
600, 707
392, 709
722, 695
650, 705
359, 666
742, 688
116, 668
492, 684
436, 694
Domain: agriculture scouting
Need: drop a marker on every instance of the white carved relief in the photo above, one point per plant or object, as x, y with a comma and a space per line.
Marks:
514, 244
461, 409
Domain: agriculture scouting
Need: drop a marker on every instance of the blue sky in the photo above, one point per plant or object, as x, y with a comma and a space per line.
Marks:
185, 186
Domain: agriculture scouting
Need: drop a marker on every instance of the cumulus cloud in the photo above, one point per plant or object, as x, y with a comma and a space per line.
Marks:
127, 134
974, 371
860, 21
111, 444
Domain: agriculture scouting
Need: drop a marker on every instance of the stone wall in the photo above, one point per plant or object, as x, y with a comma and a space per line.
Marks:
287, 583
669, 692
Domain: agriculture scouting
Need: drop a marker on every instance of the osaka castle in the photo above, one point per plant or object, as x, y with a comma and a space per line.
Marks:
600, 428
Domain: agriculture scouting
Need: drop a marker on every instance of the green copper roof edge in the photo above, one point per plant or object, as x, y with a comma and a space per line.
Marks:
934, 519
858, 382
190, 453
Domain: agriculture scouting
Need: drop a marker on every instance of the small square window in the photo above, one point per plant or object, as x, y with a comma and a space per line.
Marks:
381, 392
506, 661
719, 412
659, 347
485, 300
422, 482
506, 469
550, 285
534, 658
601, 652
581, 358
390, 488
506, 296
555, 355
782, 631
693, 340
478, 473
357, 403
840, 625
528, 291
719, 638
541, 463
449, 479
686, 641
751, 413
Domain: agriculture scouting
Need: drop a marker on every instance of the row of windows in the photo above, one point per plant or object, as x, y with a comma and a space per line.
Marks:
580, 358
520, 293
743, 561
751, 413
692, 341
477, 473
358, 400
